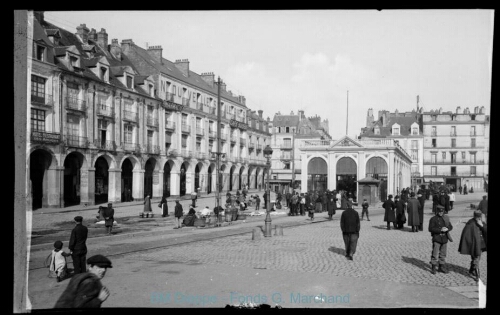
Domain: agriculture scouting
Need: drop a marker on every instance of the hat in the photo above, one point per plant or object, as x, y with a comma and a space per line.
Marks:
390, 196
58, 244
177, 200
99, 261
78, 218
478, 213
439, 208
412, 194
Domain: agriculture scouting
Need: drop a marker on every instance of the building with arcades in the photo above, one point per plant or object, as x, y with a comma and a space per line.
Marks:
104, 128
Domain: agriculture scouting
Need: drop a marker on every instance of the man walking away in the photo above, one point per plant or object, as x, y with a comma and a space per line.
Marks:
400, 213
194, 196
439, 227
350, 226
164, 206
473, 242
483, 206
414, 209
77, 245
178, 213
389, 215
365, 206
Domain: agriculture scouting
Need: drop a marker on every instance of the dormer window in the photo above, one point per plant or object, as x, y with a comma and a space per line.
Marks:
39, 52
414, 131
151, 90
129, 81
377, 130
74, 61
104, 74
395, 130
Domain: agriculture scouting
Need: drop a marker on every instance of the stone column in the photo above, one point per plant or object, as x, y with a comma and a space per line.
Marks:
84, 187
158, 183
392, 175
175, 184
114, 185
189, 182
91, 185
138, 184
53, 196
303, 174
332, 171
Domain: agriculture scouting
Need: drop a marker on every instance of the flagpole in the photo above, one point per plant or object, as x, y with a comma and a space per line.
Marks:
347, 116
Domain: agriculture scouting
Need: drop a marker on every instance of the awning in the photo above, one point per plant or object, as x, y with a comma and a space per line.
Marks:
436, 180
271, 181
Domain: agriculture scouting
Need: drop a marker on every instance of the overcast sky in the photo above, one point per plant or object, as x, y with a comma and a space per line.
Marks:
290, 60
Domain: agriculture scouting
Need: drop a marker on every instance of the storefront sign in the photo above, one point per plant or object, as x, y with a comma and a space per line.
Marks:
156, 179
173, 106
237, 124
44, 137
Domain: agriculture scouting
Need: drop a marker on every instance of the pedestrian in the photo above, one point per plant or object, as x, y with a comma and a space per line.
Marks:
319, 204
414, 208
452, 199
435, 202
465, 189
178, 213
339, 197
288, 198
164, 206
473, 242
324, 201
311, 208
58, 264
85, 290
364, 211
471, 189
439, 227
389, 215
257, 202
265, 199
293, 204
109, 217
218, 210
147, 205
421, 198
483, 206
194, 196
350, 226
460, 189
77, 245
331, 205
400, 212
343, 201
443, 201
302, 204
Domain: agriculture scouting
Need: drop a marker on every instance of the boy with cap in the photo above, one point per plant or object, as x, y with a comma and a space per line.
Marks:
58, 261
439, 227
77, 246
86, 290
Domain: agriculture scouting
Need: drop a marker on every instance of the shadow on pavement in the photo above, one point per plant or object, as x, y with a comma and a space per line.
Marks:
337, 250
427, 266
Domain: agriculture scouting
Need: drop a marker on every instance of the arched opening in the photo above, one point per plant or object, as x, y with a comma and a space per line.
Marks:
166, 179
101, 180
377, 168
209, 179
72, 167
148, 177
127, 180
222, 177
231, 179
197, 177
257, 179
40, 161
240, 179
347, 176
249, 174
317, 174
183, 179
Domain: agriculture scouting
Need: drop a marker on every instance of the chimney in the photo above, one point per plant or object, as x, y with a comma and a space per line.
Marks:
183, 66
291, 113
115, 49
301, 114
369, 117
93, 35
242, 99
476, 110
39, 15
458, 110
208, 77
83, 32
102, 39
223, 86
483, 110
156, 53
126, 45
260, 112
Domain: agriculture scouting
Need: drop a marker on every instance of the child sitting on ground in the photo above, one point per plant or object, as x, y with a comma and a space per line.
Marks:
58, 261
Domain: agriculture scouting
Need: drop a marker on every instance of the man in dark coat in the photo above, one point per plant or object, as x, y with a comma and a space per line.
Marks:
473, 242
164, 206
460, 189
178, 213
439, 227
389, 215
400, 213
465, 189
109, 217
435, 202
350, 226
288, 198
421, 200
77, 245
331, 204
265, 200
483, 206
414, 209
324, 201
85, 290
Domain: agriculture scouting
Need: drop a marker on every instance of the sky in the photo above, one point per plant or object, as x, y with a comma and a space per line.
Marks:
332, 63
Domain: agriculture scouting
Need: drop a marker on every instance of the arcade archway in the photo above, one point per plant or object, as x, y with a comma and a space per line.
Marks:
347, 176
317, 174
183, 170
127, 180
148, 177
101, 180
40, 160
72, 172
377, 168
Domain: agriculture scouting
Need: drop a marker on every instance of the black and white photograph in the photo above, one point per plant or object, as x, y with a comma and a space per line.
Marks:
252, 159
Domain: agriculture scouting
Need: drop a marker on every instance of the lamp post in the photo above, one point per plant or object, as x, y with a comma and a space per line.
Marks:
268, 152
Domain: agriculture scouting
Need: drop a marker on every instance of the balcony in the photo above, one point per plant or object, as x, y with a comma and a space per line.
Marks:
153, 149
251, 145
105, 145
212, 110
185, 128
152, 121
131, 147
199, 105
229, 115
446, 147
76, 141
76, 104
259, 147
233, 139
130, 116
286, 146
463, 162
104, 110
45, 100
185, 101
172, 153
186, 153
169, 97
170, 125
44, 137
240, 118
223, 136
243, 142
201, 155
200, 131
212, 134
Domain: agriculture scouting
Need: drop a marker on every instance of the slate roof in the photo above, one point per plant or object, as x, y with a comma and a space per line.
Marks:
286, 120
405, 123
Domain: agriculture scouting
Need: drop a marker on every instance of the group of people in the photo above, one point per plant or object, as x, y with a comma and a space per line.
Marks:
407, 202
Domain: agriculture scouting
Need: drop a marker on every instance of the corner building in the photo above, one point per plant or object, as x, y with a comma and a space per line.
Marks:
102, 125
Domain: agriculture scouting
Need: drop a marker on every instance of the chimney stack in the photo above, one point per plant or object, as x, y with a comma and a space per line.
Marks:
369, 117
115, 49
223, 86
156, 52
260, 111
83, 32
242, 99
208, 77
183, 66
102, 39
459, 110
93, 35
126, 43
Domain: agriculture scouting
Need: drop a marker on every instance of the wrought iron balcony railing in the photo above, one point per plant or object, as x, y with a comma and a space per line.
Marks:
200, 131
240, 118
39, 136
131, 147
286, 146
259, 147
153, 149
76, 141
105, 145
212, 110
185, 101
186, 128
152, 121
104, 110
243, 142
212, 134
76, 103
169, 97
186, 153
251, 145
170, 125
462, 162
285, 157
201, 155
130, 116
199, 106
45, 100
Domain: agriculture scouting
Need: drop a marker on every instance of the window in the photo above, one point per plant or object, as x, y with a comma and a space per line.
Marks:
72, 125
414, 131
433, 170
473, 158
395, 131
473, 143
184, 141
414, 144
473, 117
287, 129
40, 53
434, 131
38, 89
444, 155
150, 138
377, 130
287, 142
453, 143
414, 155
473, 171
184, 119
287, 166
473, 130
151, 91
433, 143
174, 90
453, 157
198, 122
102, 124
434, 117
128, 133
72, 90
129, 81
453, 117
198, 146
74, 62
463, 156
37, 120
453, 131
453, 171
104, 75
433, 158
